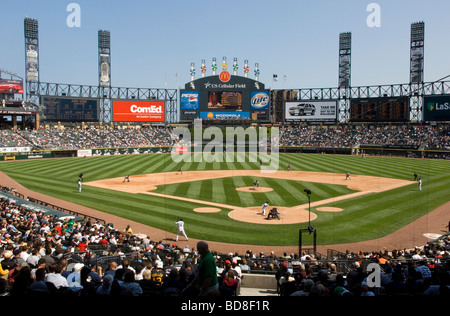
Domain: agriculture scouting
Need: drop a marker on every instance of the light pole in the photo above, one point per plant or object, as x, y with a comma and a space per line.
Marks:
308, 193
310, 228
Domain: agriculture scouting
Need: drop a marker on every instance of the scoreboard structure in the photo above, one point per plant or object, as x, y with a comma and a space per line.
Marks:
67, 109
224, 98
380, 110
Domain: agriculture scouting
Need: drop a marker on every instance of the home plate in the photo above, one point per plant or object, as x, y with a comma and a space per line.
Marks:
431, 235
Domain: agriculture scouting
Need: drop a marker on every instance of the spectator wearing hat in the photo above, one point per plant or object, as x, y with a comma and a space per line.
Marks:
105, 287
75, 275
225, 270
187, 271
280, 272
158, 274
307, 285
365, 290
8, 262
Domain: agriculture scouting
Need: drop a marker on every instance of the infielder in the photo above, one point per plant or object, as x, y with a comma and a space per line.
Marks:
80, 180
180, 225
420, 184
263, 207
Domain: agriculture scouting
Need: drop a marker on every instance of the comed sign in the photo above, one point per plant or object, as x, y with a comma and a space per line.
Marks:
436, 108
138, 111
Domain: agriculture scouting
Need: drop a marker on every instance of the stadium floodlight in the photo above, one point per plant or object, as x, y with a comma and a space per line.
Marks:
345, 48
31, 28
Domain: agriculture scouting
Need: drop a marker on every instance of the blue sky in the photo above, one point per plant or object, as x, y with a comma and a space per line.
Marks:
153, 41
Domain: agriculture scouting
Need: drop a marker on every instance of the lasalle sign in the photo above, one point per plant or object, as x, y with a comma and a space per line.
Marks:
436, 108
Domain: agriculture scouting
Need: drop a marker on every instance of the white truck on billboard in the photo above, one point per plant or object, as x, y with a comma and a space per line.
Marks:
302, 109
310, 111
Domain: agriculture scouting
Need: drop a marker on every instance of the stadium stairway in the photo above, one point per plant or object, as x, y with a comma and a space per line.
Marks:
258, 285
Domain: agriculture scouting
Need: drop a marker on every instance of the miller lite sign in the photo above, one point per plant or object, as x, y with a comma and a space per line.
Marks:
259, 100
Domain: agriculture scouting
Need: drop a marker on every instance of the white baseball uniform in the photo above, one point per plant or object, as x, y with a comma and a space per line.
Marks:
263, 207
180, 229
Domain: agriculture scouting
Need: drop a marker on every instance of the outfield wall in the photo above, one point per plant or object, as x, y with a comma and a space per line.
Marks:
361, 150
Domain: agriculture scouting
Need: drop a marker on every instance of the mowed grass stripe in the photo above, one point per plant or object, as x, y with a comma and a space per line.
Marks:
371, 212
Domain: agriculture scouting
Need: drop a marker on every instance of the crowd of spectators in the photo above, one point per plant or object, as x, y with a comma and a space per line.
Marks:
77, 138
342, 136
42, 254
10, 139
425, 137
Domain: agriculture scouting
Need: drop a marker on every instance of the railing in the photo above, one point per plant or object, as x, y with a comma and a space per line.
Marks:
65, 210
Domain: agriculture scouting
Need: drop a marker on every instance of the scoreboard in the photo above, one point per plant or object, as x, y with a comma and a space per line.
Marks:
225, 98
379, 110
68, 109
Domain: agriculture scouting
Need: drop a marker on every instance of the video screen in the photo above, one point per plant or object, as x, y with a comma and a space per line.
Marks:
230, 100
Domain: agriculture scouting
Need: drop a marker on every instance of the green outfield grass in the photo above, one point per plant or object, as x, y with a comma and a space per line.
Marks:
364, 218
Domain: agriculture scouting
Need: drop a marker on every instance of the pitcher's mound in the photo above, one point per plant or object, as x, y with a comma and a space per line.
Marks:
206, 209
256, 190
329, 209
288, 215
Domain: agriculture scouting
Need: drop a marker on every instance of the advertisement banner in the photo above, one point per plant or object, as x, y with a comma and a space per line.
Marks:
436, 108
189, 100
225, 115
105, 74
14, 149
416, 65
11, 86
259, 100
32, 67
310, 111
138, 111
84, 153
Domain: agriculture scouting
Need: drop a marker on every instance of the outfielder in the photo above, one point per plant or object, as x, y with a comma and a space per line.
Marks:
180, 225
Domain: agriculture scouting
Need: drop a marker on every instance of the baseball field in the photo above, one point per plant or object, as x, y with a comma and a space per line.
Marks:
218, 202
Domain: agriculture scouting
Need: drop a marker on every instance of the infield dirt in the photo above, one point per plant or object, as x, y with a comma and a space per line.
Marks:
289, 215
